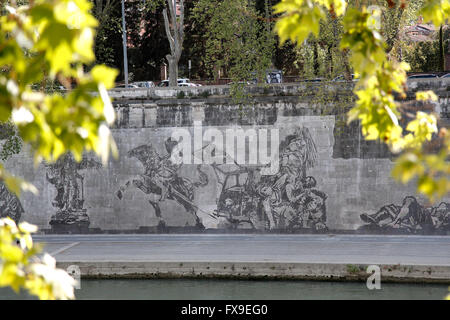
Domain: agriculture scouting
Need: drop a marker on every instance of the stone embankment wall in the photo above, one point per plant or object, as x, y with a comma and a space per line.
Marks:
284, 161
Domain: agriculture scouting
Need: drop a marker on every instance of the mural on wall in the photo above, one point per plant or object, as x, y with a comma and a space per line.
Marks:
288, 200
64, 175
10, 205
161, 178
409, 217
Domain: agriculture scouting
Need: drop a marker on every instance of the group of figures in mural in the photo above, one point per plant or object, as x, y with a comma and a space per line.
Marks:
409, 217
288, 201
246, 199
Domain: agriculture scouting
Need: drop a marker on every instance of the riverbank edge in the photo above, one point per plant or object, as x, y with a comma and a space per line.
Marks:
399, 273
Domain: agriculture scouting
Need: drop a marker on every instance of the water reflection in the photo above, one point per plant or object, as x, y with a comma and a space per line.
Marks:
187, 289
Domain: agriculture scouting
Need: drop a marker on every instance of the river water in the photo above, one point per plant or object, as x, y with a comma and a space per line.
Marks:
205, 289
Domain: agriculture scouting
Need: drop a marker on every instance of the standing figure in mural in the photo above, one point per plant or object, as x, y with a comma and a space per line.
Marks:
69, 184
161, 178
288, 200
298, 153
409, 217
271, 202
10, 205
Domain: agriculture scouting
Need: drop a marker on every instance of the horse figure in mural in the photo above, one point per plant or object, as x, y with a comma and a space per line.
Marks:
161, 178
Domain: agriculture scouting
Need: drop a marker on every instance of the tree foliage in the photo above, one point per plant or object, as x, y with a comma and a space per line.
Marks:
147, 40
21, 268
10, 141
49, 40
147, 43
424, 56
380, 78
53, 39
108, 38
236, 40
320, 55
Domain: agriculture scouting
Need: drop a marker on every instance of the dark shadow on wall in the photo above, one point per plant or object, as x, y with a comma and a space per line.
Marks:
350, 143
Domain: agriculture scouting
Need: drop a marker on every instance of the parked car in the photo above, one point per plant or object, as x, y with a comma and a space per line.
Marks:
272, 76
130, 85
313, 80
240, 82
423, 76
183, 82
341, 78
165, 83
446, 75
144, 84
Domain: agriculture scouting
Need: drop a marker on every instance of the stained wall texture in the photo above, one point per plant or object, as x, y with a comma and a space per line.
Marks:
323, 177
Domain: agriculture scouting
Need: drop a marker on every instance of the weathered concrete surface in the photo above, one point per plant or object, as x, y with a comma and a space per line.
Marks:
330, 180
259, 270
439, 85
321, 257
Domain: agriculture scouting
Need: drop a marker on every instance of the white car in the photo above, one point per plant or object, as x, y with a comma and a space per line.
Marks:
165, 83
181, 83
144, 84
120, 86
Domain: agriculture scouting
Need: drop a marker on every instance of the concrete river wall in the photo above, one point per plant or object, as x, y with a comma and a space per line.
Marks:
193, 160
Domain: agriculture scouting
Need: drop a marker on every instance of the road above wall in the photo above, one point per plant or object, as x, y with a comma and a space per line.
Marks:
320, 257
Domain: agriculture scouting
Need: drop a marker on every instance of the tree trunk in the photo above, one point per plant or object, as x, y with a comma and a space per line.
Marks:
175, 35
316, 59
173, 70
347, 68
330, 59
391, 38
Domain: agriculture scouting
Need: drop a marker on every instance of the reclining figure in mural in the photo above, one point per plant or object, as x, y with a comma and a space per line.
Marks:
409, 217
69, 184
440, 217
287, 200
10, 205
161, 178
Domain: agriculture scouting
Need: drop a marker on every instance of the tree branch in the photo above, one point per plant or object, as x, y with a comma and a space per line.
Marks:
181, 27
172, 12
169, 34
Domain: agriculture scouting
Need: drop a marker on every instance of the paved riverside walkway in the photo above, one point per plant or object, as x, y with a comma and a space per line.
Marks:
345, 257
